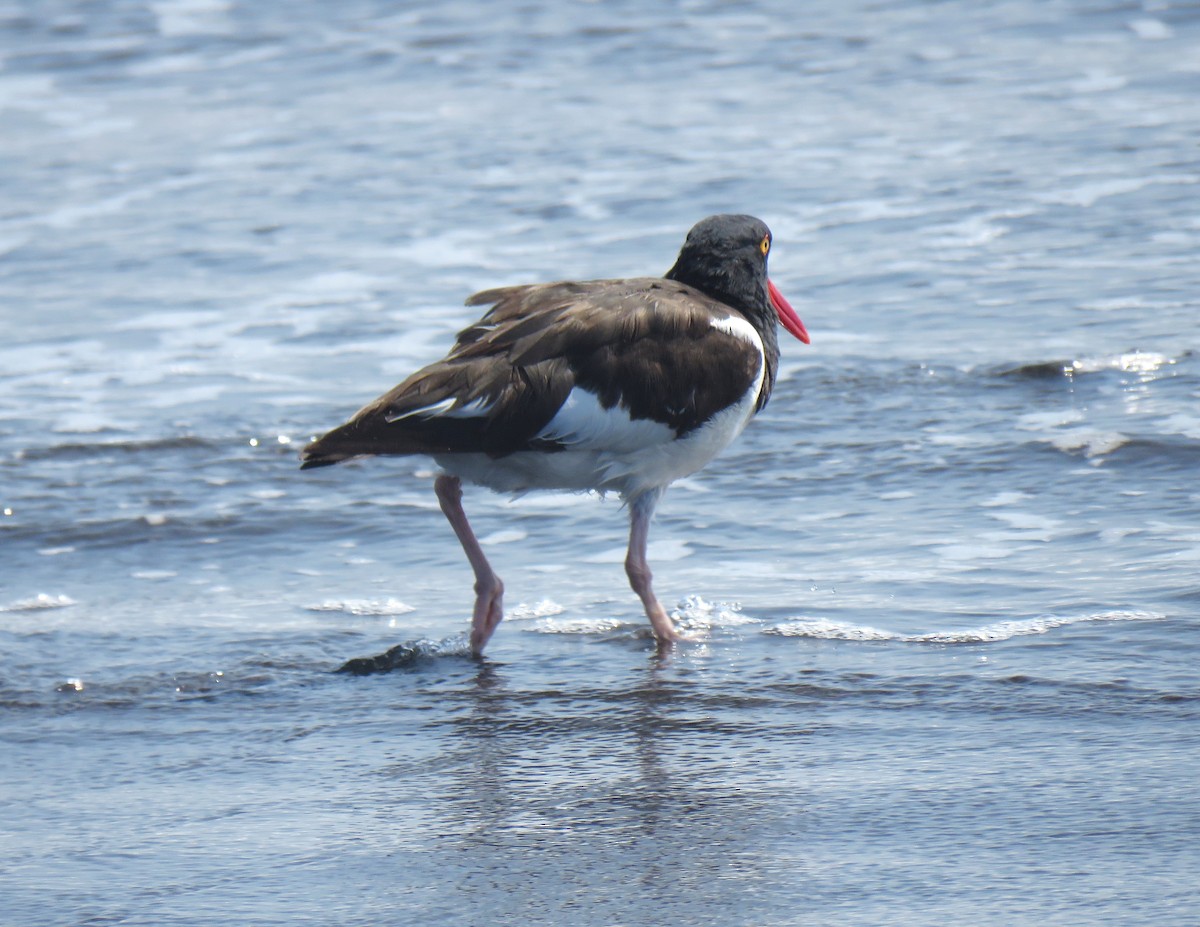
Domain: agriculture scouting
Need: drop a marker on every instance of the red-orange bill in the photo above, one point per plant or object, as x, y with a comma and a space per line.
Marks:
787, 315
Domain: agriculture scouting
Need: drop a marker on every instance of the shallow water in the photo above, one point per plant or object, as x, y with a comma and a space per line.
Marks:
945, 586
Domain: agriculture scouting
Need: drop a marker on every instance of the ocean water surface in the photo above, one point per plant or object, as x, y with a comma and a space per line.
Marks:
946, 586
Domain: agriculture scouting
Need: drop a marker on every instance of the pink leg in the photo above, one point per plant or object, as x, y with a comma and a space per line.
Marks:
489, 591
637, 569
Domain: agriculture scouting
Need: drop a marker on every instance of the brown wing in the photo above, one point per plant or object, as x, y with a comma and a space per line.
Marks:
647, 345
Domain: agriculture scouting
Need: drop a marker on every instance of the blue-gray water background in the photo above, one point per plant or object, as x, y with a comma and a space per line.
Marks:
947, 582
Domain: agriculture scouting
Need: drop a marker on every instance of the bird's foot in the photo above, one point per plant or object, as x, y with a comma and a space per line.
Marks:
677, 637
489, 611
665, 631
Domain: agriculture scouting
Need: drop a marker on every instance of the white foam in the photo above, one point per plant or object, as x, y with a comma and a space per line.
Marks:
17, 92
456, 645
323, 289
961, 552
12, 242
39, 602
827, 629
1094, 80
363, 607
504, 536
452, 248
969, 233
1088, 194
1028, 521
546, 608
1186, 425
664, 551
1004, 630
193, 17
1093, 443
1129, 362
1040, 421
1115, 304
168, 64
578, 625
1152, 30
694, 613
552, 500
960, 440
1004, 498
71, 216
86, 423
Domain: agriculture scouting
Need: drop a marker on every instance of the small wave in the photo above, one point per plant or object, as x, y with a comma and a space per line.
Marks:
155, 689
39, 602
56, 551
826, 629
1092, 442
543, 609
580, 625
1004, 630
666, 550
78, 449
697, 614
1144, 363
504, 536
693, 614
363, 607
1039, 370
1171, 449
1096, 445
1129, 362
405, 655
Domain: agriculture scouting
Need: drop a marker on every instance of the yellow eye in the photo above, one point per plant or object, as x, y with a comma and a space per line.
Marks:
765, 245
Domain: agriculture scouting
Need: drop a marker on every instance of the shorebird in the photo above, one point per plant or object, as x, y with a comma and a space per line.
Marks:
623, 385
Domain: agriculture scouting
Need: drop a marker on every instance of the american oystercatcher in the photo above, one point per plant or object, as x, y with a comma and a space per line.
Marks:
621, 385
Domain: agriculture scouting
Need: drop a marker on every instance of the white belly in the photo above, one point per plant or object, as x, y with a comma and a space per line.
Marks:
655, 460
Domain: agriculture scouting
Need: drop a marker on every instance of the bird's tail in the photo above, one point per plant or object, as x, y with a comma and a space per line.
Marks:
364, 436
327, 450
310, 461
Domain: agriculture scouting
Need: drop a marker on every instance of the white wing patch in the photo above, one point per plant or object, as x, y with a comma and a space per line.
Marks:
581, 423
739, 328
447, 408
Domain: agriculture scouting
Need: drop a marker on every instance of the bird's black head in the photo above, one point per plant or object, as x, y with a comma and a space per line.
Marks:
725, 257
